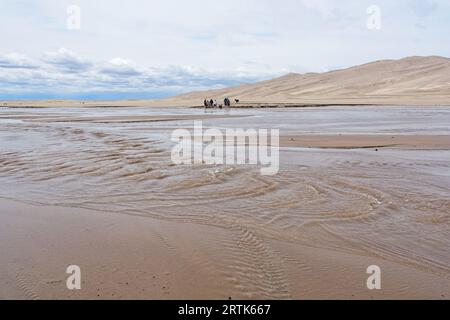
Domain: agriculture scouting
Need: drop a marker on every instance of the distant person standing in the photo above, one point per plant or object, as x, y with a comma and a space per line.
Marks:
205, 103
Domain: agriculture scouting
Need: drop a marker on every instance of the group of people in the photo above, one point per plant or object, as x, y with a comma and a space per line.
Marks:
212, 103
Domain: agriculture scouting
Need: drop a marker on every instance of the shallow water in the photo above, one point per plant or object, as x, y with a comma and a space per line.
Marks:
392, 204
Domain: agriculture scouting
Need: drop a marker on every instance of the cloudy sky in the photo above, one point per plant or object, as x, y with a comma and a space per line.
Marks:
157, 48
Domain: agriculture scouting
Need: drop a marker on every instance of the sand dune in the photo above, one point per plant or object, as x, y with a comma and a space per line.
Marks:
409, 81
413, 81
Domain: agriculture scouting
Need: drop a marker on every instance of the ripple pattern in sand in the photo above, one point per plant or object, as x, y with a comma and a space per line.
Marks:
374, 208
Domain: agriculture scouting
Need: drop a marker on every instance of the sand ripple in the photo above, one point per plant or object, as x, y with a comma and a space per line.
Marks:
392, 208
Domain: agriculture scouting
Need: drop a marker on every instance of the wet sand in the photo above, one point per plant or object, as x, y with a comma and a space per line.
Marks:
131, 257
106, 197
359, 141
112, 119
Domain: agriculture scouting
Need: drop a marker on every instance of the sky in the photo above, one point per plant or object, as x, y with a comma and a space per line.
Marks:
134, 49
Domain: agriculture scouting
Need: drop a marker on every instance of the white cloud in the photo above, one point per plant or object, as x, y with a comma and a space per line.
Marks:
120, 67
64, 71
66, 60
16, 61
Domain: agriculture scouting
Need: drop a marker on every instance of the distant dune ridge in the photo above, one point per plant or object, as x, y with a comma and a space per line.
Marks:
408, 81
413, 80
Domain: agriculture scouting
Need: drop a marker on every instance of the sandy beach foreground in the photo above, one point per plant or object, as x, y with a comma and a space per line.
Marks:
129, 257
365, 141
357, 186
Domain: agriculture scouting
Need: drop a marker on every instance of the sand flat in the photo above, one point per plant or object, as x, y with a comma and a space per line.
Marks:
121, 257
109, 198
360, 141
129, 257
117, 119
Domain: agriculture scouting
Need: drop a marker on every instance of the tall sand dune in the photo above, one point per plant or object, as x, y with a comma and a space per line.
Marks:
408, 81
412, 80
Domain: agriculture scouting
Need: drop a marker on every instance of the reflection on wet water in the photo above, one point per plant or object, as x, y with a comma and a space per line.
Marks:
392, 204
